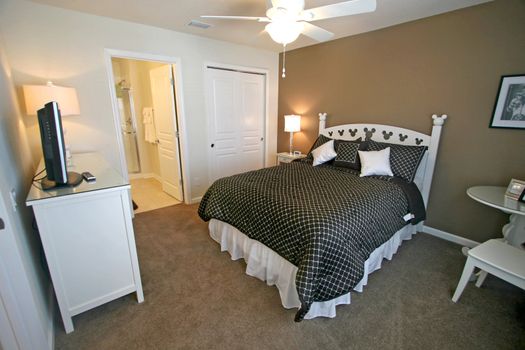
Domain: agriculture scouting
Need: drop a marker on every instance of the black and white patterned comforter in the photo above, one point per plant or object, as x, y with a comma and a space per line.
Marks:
325, 220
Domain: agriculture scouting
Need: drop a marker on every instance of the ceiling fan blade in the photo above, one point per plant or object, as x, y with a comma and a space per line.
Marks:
316, 32
345, 8
259, 19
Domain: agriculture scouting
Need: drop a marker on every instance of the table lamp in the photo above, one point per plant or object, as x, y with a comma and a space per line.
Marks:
36, 96
292, 123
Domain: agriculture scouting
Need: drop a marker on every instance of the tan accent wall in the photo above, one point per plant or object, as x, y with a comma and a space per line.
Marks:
450, 63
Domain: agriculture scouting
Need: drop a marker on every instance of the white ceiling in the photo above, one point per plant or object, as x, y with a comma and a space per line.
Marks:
176, 14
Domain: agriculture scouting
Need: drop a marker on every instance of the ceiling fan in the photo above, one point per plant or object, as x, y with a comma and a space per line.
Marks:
287, 19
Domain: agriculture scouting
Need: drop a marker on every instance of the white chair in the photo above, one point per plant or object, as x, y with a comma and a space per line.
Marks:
497, 258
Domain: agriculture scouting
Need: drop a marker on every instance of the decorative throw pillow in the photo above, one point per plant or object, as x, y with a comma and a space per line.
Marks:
404, 159
347, 155
324, 153
375, 162
321, 139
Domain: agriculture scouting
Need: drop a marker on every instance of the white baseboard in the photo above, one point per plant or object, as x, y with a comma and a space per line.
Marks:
140, 176
144, 176
195, 200
450, 237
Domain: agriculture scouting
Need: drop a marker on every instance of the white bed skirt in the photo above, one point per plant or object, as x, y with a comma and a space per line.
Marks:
267, 265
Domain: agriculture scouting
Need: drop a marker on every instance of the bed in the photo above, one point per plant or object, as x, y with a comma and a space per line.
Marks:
316, 232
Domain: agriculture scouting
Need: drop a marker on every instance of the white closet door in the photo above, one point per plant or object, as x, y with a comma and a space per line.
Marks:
236, 114
252, 111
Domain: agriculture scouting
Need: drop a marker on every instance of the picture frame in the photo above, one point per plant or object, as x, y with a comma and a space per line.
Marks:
516, 189
509, 109
522, 197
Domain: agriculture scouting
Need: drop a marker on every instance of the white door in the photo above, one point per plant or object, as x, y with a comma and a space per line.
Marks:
236, 114
7, 334
165, 113
8, 322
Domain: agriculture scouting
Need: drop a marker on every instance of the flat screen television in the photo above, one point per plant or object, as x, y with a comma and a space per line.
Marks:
54, 149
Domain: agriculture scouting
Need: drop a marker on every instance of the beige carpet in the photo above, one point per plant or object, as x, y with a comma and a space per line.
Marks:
197, 298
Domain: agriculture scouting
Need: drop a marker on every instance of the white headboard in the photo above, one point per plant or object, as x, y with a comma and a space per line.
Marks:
393, 134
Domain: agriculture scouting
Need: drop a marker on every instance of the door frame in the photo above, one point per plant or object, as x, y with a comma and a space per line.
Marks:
15, 293
179, 121
242, 69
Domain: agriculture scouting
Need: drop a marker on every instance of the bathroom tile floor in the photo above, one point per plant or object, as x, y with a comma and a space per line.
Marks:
148, 195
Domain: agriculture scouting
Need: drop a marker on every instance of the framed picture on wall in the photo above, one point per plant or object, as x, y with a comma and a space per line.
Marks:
509, 110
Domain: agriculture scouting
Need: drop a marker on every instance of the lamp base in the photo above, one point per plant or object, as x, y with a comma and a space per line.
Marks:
291, 142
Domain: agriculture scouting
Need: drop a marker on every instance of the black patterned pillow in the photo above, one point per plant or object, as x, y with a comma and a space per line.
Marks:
404, 159
347, 155
321, 140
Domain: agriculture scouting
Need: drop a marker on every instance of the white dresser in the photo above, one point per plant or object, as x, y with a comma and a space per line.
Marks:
88, 238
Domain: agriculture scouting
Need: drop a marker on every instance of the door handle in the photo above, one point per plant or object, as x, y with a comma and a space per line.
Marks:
2, 225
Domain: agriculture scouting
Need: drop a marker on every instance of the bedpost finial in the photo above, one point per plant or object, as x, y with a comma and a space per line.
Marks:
439, 120
322, 116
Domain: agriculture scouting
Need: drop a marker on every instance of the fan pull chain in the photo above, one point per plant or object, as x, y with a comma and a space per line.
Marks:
284, 61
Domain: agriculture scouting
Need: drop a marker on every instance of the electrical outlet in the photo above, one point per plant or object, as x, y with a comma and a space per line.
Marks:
12, 195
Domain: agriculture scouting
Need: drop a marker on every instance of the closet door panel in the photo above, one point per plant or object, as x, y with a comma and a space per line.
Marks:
236, 115
252, 109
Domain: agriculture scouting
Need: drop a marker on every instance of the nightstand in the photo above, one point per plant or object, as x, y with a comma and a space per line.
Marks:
285, 157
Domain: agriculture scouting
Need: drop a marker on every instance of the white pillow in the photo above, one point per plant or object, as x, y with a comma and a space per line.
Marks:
375, 162
324, 153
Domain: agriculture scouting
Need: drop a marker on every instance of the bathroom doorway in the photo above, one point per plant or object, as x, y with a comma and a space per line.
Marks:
145, 93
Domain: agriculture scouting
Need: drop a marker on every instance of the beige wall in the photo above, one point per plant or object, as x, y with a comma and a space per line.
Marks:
47, 43
20, 251
451, 63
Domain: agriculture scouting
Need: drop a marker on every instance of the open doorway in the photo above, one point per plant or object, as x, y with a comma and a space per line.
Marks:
145, 94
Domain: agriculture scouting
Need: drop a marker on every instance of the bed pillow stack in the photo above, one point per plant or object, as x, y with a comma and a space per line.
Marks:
347, 153
370, 157
324, 153
321, 139
404, 160
375, 163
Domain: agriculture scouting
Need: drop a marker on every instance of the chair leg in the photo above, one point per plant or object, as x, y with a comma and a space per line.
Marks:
467, 271
481, 278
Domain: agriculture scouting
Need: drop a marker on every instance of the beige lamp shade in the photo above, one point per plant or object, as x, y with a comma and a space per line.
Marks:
36, 96
292, 123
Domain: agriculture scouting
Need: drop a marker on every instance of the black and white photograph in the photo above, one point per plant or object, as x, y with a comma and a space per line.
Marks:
509, 110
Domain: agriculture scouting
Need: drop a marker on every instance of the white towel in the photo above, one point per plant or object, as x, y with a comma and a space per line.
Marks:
150, 134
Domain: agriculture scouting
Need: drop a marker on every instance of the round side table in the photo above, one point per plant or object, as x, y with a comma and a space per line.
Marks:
494, 196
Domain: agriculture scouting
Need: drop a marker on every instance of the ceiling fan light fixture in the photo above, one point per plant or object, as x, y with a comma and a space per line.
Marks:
284, 32
293, 7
